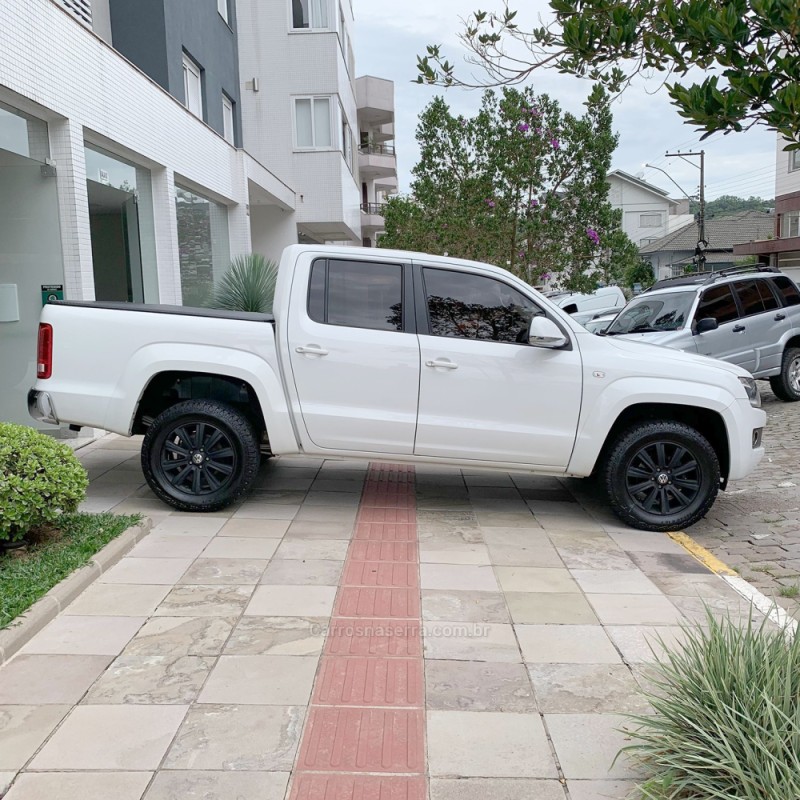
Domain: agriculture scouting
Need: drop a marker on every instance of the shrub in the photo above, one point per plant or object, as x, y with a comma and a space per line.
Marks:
40, 479
248, 285
727, 717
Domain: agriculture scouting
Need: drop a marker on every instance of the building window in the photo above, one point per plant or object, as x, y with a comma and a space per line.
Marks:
222, 7
790, 224
650, 220
312, 117
794, 160
203, 245
227, 119
347, 141
192, 86
310, 14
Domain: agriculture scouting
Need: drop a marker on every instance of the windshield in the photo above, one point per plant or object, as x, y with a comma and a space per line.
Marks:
662, 312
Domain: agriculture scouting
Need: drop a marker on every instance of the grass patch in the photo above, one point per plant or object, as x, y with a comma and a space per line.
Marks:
789, 591
51, 555
727, 717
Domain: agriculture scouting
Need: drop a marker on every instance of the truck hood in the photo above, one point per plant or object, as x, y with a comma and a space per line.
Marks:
660, 360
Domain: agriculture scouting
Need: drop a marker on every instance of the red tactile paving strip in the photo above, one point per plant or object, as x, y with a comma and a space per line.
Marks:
367, 708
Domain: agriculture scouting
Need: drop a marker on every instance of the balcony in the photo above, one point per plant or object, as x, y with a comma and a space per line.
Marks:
374, 101
372, 217
377, 161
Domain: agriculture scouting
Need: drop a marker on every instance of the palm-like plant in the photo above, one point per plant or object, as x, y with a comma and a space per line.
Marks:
248, 285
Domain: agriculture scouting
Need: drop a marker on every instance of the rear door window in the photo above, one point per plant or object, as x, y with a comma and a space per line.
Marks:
749, 297
717, 303
767, 297
787, 290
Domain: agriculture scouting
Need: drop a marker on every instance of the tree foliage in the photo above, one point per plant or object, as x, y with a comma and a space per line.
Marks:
640, 272
730, 204
521, 184
748, 50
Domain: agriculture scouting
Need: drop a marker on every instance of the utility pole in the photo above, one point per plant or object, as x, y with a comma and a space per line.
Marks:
702, 244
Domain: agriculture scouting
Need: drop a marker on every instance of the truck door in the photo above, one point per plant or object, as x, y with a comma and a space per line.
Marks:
354, 354
485, 393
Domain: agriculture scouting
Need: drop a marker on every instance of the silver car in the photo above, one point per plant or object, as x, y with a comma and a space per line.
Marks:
749, 316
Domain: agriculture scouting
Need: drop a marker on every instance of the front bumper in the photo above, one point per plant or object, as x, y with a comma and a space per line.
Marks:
41, 407
745, 429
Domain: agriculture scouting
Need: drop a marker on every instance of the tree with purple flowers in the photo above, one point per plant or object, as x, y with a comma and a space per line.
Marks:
521, 184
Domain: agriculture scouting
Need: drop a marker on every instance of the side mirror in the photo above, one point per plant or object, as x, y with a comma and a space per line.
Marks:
705, 325
545, 333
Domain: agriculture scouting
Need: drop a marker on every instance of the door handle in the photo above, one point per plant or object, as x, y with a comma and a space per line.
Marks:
441, 364
311, 350
779, 317
739, 329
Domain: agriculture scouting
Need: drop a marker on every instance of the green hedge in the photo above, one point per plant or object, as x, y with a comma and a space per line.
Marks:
40, 479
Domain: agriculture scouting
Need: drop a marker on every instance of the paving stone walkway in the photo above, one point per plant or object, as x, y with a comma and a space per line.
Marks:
350, 631
755, 526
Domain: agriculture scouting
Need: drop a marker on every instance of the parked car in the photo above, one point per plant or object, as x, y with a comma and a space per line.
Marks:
584, 317
748, 316
605, 298
387, 355
600, 322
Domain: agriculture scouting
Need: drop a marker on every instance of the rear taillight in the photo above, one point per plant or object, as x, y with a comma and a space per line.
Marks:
44, 359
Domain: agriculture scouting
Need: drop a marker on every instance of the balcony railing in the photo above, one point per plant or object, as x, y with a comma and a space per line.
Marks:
377, 149
374, 208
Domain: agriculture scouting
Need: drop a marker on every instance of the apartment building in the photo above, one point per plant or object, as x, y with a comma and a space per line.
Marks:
143, 145
782, 249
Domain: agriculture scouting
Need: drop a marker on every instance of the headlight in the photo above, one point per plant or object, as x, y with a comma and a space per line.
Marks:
753, 395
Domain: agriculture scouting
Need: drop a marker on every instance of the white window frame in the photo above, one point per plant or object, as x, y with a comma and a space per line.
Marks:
222, 8
655, 215
314, 98
786, 224
314, 25
346, 132
794, 160
228, 120
190, 68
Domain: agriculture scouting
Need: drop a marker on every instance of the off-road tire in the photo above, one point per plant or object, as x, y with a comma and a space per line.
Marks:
652, 461
198, 435
786, 385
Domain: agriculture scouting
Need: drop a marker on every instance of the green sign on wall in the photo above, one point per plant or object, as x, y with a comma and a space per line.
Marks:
52, 291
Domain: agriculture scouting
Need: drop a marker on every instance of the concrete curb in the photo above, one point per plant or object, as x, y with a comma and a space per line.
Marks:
22, 630
769, 608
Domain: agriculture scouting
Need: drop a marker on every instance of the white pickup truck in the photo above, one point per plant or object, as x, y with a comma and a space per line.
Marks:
387, 355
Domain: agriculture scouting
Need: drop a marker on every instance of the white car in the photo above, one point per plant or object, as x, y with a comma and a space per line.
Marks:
605, 298
388, 355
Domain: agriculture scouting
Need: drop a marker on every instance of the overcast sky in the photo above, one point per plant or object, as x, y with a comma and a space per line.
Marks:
389, 36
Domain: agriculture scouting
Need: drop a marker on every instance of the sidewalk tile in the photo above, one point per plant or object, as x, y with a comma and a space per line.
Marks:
670, 563
464, 606
245, 547
330, 509
286, 636
248, 738
635, 609
317, 549
83, 785
181, 636
252, 509
111, 738
316, 786
535, 579
643, 542
639, 644
397, 516
502, 519
23, 728
586, 688
255, 528
374, 637
189, 525
614, 581
305, 530
445, 551
692, 585
224, 571
590, 551
205, 601
384, 551
284, 498
471, 641
381, 573
117, 600
49, 679
363, 740
600, 790
207, 785
539, 608
369, 681
151, 680
260, 680
478, 686
378, 602
309, 572
496, 789
570, 734
76, 635
154, 546
532, 554
566, 644
146, 571
384, 531
291, 601
452, 576
488, 744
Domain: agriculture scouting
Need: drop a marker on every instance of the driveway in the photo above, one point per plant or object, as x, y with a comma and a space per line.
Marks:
350, 630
